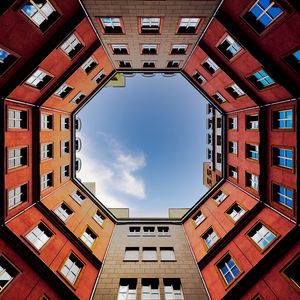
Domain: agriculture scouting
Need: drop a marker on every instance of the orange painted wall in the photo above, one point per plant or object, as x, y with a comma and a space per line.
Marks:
82, 216
56, 136
243, 251
81, 82
216, 82
56, 250
16, 176
30, 94
216, 217
243, 136
27, 283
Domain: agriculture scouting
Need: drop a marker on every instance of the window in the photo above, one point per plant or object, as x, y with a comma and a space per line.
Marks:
210, 238
112, 25
46, 181
72, 268
167, 254
78, 98
229, 47
99, 76
7, 273
134, 231
210, 65
99, 217
17, 157
282, 119
208, 139
232, 123
149, 254
64, 172
228, 269
199, 218
64, 123
38, 79
292, 272
219, 197
219, 158
188, 25
149, 64
149, 25
232, 172
283, 157
173, 64
39, 236
252, 151
293, 60
124, 64
235, 91
17, 196
17, 118
261, 235
148, 231
219, 140
65, 147
119, 49
131, 254
46, 151
78, 197
198, 77
127, 289
6, 60
262, 14
88, 237
252, 122
63, 91
63, 212
233, 147
219, 123
172, 288
261, 79
89, 65
235, 212
179, 49
41, 12
163, 231
219, 98
150, 289
149, 49
252, 181
78, 144
46, 121
283, 195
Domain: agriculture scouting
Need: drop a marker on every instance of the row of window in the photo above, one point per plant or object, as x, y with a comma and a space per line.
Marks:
150, 289
149, 25
151, 231
149, 254
281, 119
149, 64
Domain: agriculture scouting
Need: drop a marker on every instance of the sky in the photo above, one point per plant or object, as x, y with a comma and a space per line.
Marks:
144, 145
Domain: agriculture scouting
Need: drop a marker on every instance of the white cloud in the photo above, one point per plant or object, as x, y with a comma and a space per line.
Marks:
113, 178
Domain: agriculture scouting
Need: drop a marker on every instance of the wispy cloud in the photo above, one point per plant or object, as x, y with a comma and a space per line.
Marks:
115, 179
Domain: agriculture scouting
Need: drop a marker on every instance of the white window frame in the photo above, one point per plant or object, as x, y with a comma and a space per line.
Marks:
234, 214
62, 213
62, 89
45, 179
78, 198
131, 254
219, 197
77, 99
212, 64
171, 293
232, 45
36, 78
189, 23
260, 235
149, 254
46, 153
167, 254
87, 64
149, 292
70, 44
99, 219
7, 275
70, 267
179, 47
15, 156
88, 238
38, 236
237, 90
210, 237
15, 196
126, 293
15, 118
46, 119
199, 218
254, 181
110, 22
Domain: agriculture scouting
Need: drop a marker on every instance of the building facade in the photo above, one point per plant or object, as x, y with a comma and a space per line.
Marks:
240, 240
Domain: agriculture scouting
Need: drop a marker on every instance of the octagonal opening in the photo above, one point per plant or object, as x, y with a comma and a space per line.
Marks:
145, 141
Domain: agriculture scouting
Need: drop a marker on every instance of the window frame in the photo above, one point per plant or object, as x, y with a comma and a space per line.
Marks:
51, 180
274, 232
135, 259
250, 76
282, 271
237, 173
215, 194
79, 202
290, 148
15, 58
51, 116
69, 216
89, 65
161, 249
234, 86
102, 27
142, 47
35, 87
249, 121
75, 284
64, 177
125, 61
237, 147
25, 186
92, 247
195, 217
206, 232
24, 236
140, 27
13, 267
241, 216
186, 49
222, 40
219, 96
120, 46
151, 259
209, 64
51, 150
280, 204
249, 179
286, 57
95, 219
237, 125
21, 110
221, 276
197, 28
63, 153
277, 110
19, 166
68, 87
247, 145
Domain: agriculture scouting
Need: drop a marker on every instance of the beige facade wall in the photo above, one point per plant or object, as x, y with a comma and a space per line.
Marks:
184, 267
169, 10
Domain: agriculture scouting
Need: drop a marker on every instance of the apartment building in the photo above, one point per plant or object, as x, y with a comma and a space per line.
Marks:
240, 240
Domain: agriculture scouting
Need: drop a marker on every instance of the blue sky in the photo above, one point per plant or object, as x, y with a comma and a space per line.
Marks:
144, 145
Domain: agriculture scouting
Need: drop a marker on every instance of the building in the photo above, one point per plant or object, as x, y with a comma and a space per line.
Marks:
240, 240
